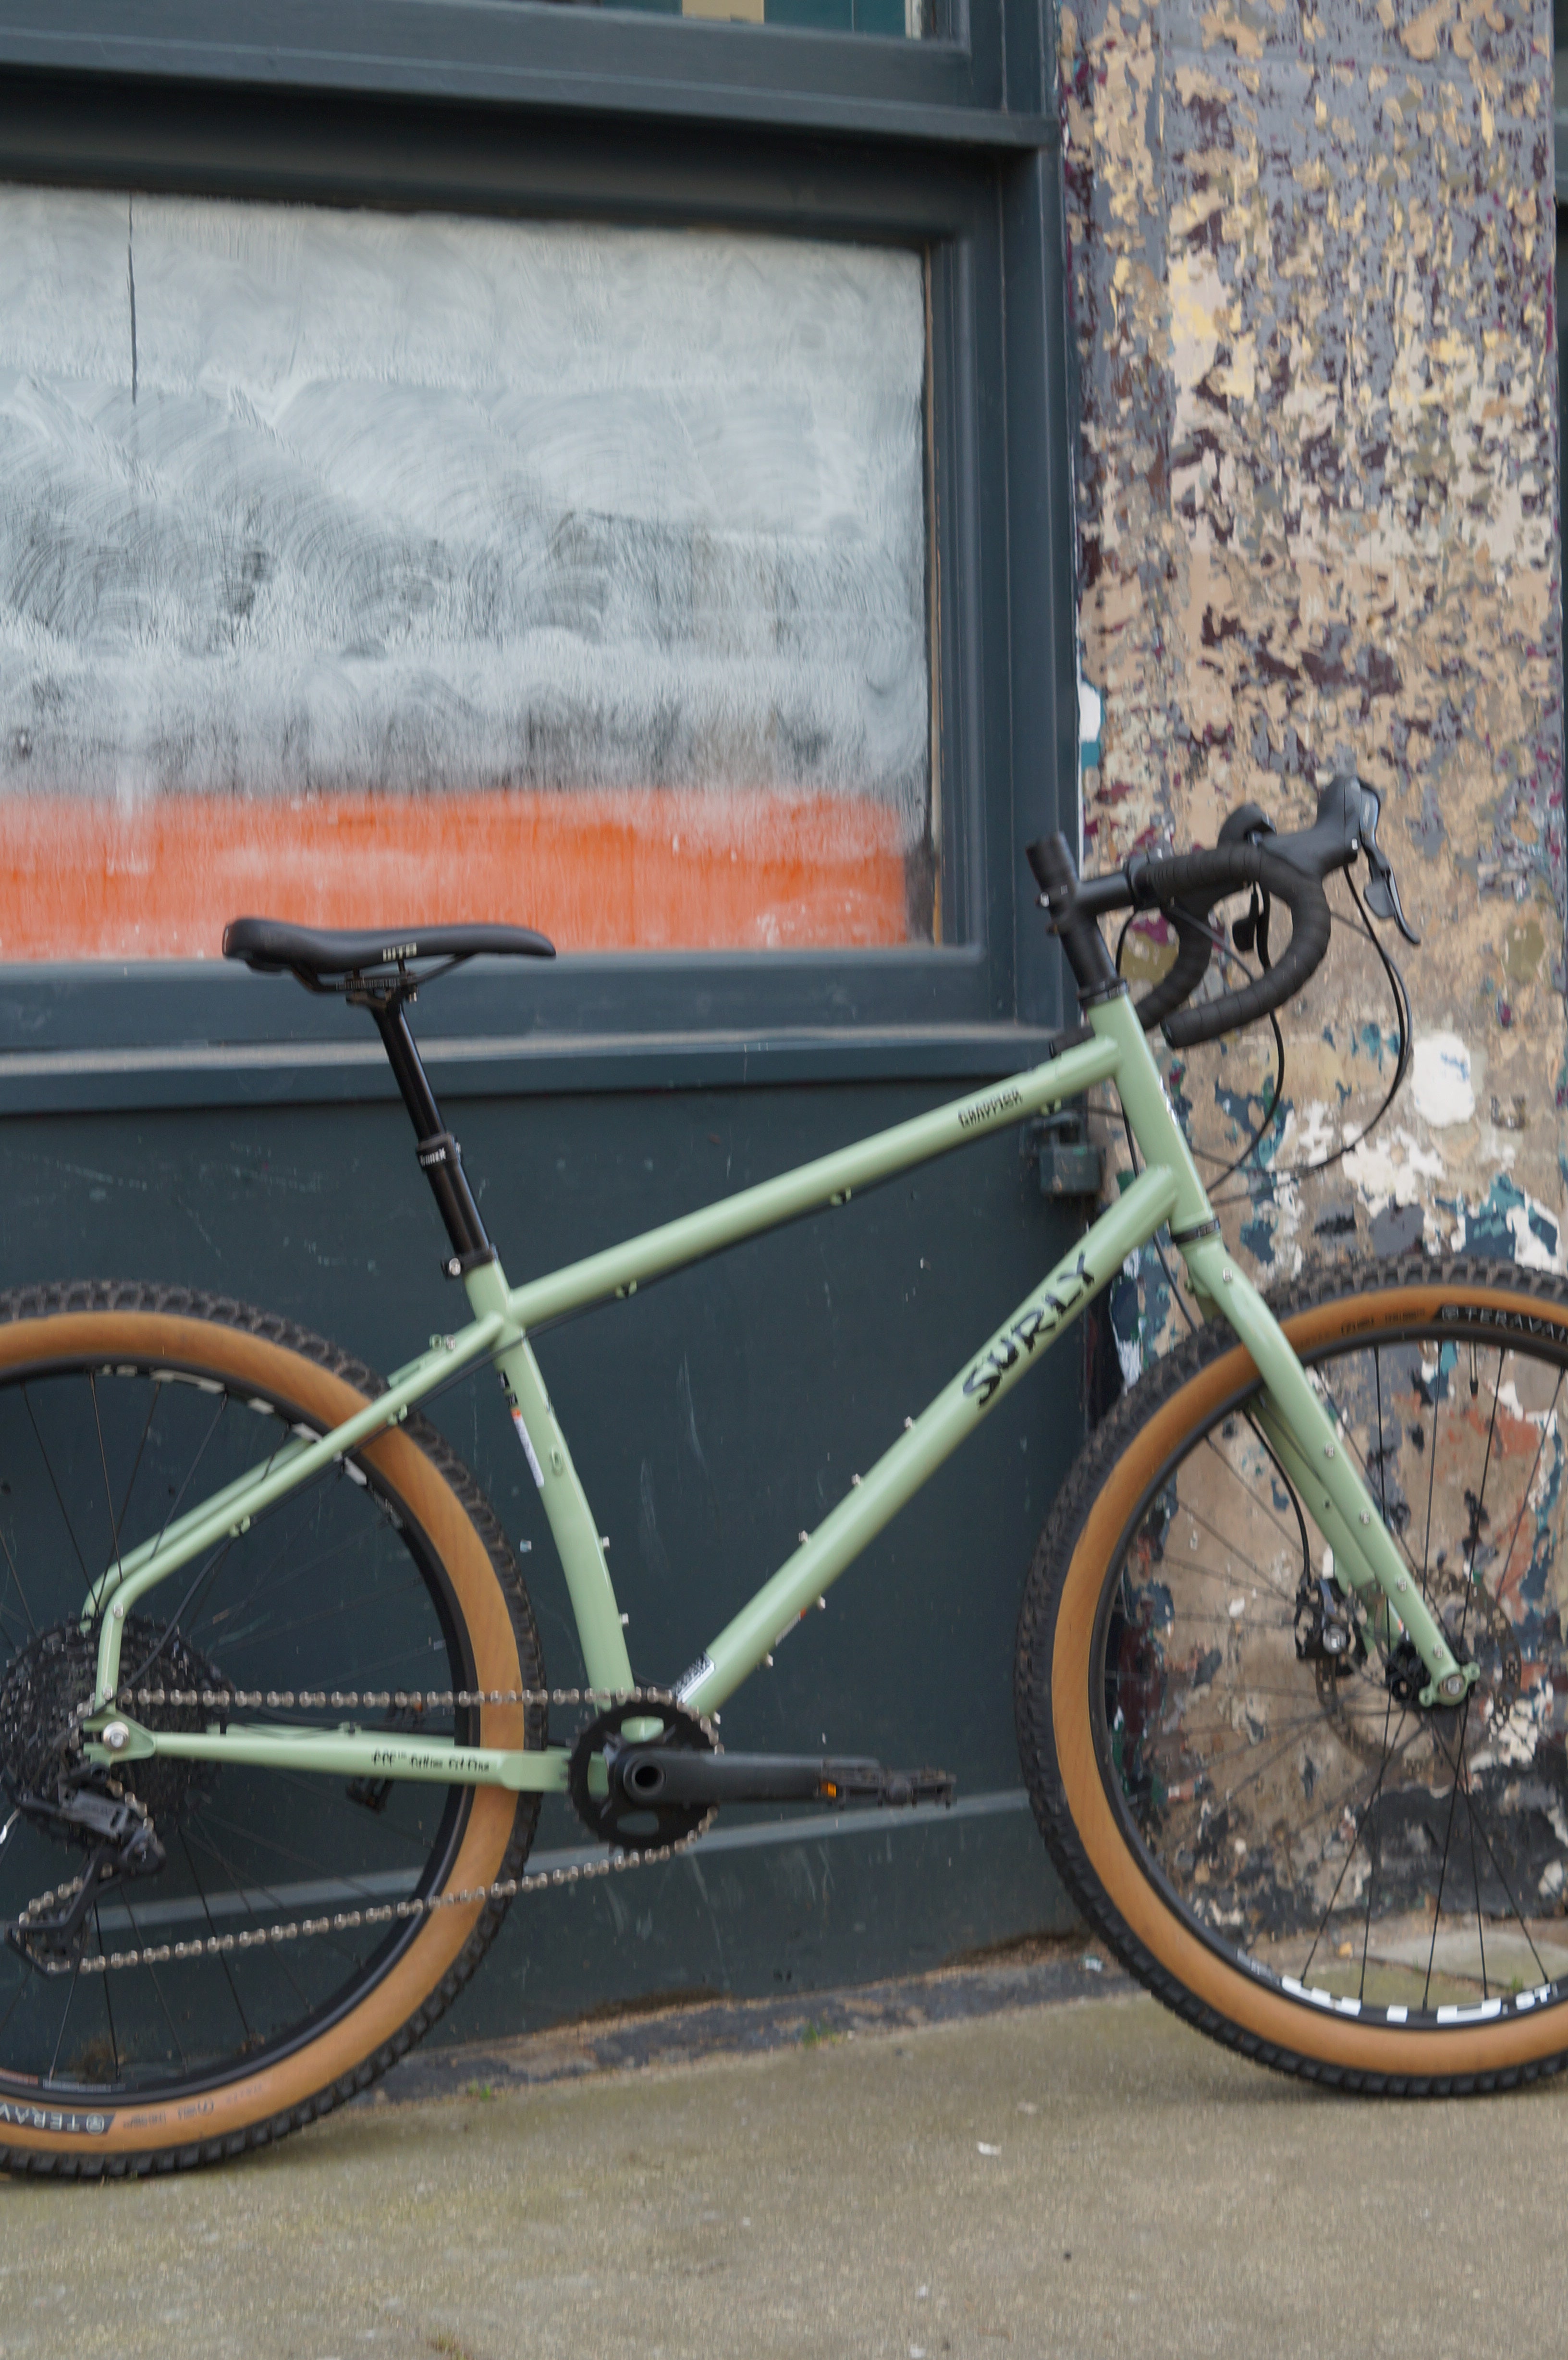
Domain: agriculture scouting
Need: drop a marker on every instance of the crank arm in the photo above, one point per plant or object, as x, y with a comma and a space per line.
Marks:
653, 1775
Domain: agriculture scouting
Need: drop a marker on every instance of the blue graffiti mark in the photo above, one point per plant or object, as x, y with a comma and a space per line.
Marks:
1373, 1041
1543, 1548
1258, 1236
1545, 1231
1250, 1110
1487, 1227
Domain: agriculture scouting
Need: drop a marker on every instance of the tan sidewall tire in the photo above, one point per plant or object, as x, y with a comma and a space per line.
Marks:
345, 2054
1255, 2016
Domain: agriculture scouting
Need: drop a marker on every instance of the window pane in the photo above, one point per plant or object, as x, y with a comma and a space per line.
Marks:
364, 568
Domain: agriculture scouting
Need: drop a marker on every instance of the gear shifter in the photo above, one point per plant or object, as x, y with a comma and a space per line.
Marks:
1382, 892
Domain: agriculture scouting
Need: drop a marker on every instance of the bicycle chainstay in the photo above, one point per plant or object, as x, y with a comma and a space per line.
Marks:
505, 1888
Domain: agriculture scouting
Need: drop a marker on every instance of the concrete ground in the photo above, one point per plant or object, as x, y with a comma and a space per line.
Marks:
1081, 2177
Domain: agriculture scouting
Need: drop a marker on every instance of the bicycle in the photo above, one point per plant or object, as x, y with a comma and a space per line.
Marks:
1290, 1713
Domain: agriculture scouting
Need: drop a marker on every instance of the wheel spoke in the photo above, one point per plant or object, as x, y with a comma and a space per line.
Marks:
103, 1463
1548, 1426
108, 2002
154, 1392
1486, 1842
174, 1504
17, 1583
64, 2019
54, 1487
243, 1895
1372, 1853
1431, 1481
1345, 1865
211, 1929
1442, 1871
1479, 1513
1264, 1581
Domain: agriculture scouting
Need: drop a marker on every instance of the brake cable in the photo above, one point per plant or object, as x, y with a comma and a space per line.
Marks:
1271, 1174
1217, 939
1405, 1028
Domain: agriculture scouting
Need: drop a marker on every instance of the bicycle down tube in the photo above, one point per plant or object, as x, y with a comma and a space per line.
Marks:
1168, 1189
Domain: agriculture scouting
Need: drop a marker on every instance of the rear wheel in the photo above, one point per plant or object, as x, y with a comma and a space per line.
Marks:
1227, 1759
120, 1408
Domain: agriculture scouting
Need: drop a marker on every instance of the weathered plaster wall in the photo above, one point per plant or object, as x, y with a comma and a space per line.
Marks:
1312, 271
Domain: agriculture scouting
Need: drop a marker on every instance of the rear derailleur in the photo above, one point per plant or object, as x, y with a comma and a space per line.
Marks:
121, 1843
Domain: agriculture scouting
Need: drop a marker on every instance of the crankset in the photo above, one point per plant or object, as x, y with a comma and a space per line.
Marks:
653, 1789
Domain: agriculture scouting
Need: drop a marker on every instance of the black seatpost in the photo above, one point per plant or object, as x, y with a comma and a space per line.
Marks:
441, 1158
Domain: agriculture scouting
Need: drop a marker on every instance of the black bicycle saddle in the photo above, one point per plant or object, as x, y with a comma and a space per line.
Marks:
272, 947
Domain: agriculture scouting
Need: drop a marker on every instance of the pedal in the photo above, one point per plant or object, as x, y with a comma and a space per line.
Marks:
648, 1775
896, 1790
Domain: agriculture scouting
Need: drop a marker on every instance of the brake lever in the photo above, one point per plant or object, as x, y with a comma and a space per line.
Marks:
1382, 891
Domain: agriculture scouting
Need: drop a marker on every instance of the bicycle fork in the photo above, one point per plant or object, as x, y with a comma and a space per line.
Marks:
1297, 1426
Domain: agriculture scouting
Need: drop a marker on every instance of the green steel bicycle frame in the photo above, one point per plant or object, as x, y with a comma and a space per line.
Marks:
1298, 1427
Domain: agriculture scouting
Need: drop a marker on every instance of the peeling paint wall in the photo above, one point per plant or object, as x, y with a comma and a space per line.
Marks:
1311, 278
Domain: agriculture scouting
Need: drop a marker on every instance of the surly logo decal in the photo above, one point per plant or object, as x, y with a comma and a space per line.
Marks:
51, 2118
1040, 1320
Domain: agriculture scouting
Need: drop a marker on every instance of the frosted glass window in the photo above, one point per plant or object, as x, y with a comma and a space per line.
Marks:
361, 568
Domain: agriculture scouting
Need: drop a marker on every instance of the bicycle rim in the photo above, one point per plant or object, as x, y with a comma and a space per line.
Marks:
119, 1408
1287, 1848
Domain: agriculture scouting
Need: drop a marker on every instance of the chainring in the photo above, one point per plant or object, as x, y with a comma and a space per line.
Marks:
47, 1690
617, 1819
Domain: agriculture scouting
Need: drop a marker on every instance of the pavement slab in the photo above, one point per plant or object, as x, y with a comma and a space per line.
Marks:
1087, 2177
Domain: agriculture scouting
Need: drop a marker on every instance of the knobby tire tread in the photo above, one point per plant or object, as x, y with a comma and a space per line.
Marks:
87, 1295
1090, 1472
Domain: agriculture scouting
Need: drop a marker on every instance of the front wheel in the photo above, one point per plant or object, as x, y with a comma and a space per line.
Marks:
1227, 1755
122, 1407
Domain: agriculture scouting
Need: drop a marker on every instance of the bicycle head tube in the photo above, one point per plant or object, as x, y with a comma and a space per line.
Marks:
1093, 970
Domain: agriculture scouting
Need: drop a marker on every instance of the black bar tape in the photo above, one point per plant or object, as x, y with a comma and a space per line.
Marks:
1201, 878
1195, 948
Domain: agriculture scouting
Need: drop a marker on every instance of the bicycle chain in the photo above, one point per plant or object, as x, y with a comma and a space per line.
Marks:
505, 1888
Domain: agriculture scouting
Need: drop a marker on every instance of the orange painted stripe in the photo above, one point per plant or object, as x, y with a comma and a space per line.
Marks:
656, 868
